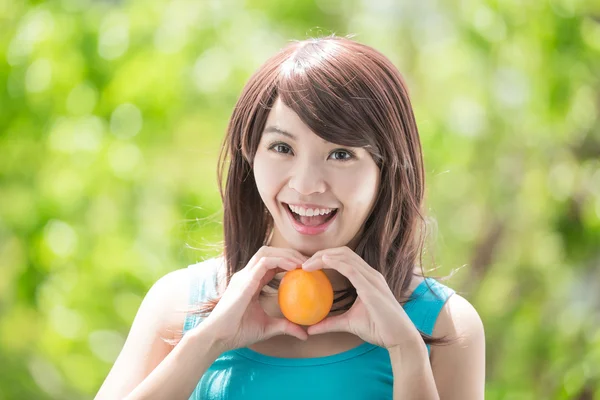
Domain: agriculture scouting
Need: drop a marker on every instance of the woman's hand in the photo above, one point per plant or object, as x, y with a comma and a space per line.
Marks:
238, 320
376, 316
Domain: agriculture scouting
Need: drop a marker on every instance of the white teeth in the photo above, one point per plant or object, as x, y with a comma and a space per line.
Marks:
309, 212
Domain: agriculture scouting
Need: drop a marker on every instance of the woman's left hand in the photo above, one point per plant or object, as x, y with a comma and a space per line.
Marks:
376, 316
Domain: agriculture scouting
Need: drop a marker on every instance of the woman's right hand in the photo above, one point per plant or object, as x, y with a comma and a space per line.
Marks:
238, 320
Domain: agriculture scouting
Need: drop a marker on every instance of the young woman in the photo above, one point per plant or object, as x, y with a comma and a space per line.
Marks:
323, 127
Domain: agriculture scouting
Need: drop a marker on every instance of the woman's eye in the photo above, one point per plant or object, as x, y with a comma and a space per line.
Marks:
283, 148
279, 145
343, 152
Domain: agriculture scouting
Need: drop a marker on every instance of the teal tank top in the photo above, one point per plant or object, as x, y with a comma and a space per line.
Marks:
364, 372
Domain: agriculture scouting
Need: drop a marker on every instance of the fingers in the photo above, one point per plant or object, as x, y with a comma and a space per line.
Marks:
257, 277
289, 259
354, 275
265, 270
338, 323
253, 277
281, 326
269, 263
347, 265
266, 251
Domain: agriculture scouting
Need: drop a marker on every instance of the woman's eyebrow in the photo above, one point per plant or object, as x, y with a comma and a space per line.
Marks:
275, 130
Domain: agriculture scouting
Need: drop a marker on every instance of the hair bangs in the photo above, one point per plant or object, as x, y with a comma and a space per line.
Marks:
330, 95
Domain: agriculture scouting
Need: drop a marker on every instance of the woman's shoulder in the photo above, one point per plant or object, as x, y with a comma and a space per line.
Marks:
432, 286
175, 290
208, 267
207, 277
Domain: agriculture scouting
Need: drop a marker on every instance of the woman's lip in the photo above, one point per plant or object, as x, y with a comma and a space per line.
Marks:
308, 230
313, 206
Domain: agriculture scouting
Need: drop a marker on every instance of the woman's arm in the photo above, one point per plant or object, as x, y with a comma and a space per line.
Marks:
178, 374
459, 368
145, 370
413, 377
146, 360
456, 371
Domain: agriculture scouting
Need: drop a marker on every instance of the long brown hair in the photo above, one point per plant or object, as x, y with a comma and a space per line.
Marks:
349, 94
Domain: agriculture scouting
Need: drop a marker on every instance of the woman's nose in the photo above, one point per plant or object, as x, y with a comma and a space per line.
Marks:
307, 178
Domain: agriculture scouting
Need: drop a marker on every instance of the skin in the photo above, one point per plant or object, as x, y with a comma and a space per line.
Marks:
312, 170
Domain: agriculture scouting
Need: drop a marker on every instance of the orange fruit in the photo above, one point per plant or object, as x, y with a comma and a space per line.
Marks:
305, 298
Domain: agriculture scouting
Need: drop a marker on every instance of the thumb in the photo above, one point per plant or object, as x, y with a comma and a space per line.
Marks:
338, 323
278, 326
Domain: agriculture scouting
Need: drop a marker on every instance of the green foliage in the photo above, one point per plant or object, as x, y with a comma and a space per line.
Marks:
111, 117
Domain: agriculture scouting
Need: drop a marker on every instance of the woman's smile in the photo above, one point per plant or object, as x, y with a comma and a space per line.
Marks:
305, 226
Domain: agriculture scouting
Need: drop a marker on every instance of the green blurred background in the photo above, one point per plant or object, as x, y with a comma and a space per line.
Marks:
111, 117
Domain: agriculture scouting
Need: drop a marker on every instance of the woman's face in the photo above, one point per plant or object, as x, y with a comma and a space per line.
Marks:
308, 170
